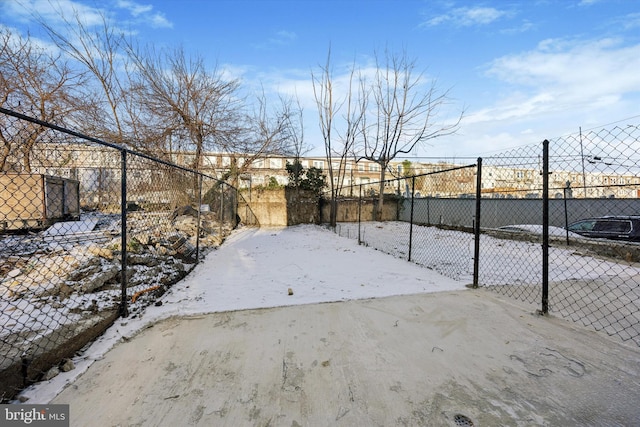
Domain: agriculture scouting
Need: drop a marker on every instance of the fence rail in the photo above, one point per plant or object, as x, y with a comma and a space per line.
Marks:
505, 224
90, 231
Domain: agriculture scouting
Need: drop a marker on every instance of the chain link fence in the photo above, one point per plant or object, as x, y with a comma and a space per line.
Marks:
572, 245
427, 218
89, 232
595, 180
555, 225
511, 255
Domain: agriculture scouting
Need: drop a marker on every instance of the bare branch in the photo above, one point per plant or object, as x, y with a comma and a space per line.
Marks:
406, 115
41, 84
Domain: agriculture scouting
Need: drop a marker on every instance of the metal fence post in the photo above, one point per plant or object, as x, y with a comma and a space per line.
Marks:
359, 213
566, 213
124, 311
476, 228
199, 218
413, 188
545, 227
221, 207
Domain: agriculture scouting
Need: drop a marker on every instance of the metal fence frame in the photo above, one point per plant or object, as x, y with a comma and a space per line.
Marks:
470, 221
26, 360
616, 310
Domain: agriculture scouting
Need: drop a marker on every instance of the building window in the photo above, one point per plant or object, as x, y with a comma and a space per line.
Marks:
95, 156
275, 163
374, 167
189, 159
318, 164
361, 167
210, 160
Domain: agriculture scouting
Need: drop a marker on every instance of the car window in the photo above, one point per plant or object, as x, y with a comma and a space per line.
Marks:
613, 226
586, 225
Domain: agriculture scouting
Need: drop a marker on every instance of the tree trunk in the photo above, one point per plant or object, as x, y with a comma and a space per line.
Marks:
333, 212
379, 209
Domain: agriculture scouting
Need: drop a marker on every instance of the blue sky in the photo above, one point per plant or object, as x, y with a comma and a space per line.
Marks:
523, 71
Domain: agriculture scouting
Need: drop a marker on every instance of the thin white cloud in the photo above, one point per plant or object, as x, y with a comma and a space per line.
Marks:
158, 20
561, 75
232, 72
467, 17
56, 11
524, 27
284, 37
134, 8
52, 11
144, 13
17, 38
587, 2
628, 22
278, 39
552, 90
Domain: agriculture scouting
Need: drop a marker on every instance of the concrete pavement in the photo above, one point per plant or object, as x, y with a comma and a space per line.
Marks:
442, 359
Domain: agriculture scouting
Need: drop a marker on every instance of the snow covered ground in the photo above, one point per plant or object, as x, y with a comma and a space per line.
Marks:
269, 267
259, 268
598, 292
502, 261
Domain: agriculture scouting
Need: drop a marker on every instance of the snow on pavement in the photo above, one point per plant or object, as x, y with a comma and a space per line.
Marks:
255, 268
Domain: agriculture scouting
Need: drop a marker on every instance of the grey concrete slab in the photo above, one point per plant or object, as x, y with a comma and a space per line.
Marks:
440, 359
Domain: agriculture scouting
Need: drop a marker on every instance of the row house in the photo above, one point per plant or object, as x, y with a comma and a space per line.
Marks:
521, 182
98, 169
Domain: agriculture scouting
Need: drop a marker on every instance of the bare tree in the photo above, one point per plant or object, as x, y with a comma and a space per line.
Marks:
297, 143
270, 130
165, 101
141, 103
198, 107
101, 51
339, 145
7, 89
39, 83
406, 114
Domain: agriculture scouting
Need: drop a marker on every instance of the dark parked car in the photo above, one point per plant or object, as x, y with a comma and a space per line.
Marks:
609, 227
